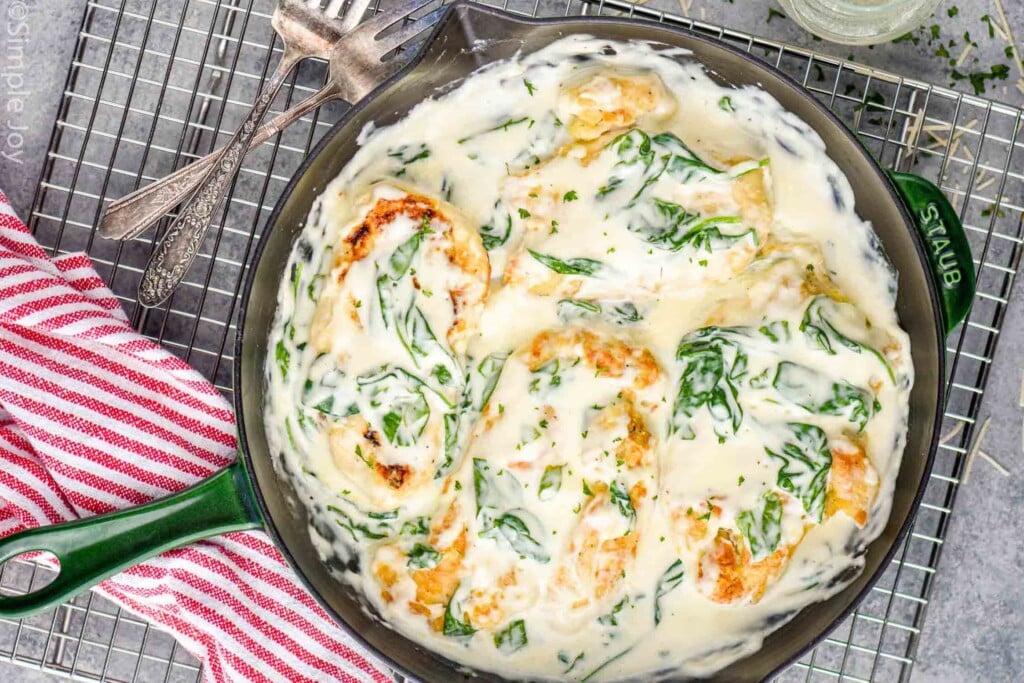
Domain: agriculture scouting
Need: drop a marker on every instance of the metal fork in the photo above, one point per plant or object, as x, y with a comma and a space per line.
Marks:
351, 76
307, 30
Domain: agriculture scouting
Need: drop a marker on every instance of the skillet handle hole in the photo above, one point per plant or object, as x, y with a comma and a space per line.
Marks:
28, 572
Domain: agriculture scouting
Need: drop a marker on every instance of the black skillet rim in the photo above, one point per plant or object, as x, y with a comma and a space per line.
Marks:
757, 66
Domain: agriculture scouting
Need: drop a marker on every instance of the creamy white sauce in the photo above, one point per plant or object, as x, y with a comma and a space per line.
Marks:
490, 145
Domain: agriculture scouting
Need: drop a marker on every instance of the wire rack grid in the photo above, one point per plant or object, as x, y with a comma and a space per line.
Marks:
154, 85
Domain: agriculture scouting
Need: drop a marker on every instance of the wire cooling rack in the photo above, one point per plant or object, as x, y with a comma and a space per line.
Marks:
154, 85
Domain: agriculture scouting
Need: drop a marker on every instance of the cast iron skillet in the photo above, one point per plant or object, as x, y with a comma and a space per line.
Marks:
915, 224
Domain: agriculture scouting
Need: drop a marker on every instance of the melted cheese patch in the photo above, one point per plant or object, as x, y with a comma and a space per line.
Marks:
589, 369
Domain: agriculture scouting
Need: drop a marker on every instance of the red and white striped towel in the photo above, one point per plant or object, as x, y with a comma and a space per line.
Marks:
93, 418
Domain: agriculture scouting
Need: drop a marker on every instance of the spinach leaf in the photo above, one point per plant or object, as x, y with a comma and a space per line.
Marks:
453, 626
657, 155
816, 393
571, 662
393, 270
420, 342
416, 527
763, 526
511, 638
387, 369
296, 279
777, 331
683, 162
442, 374
404, 424
504, 126
288, 432
668, 226
328, 395
319, 273
418, 337
574, 266
327, 407
819, 329
550, 482
493, 235
398, 398
546, 377
612, 618
744, 167
423, 556
489, 370
451, 441
314, 286
707, 234
619, 313
386, 299
613, 184
620, 497
761, 380
399, 262
484, 488
574, 309
360, 530
517, 533
633, 147
672, 577
713, 363
608, 662
283, 358
413, 329
303, 420
806, 461
624, 313
578, 304
664, 224
495, 490
407, 154
359, 454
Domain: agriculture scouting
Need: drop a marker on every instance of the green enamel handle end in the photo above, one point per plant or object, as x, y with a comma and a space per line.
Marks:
93, 549
945, 242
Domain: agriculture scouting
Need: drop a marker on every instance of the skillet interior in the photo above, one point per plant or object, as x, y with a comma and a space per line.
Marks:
471, 36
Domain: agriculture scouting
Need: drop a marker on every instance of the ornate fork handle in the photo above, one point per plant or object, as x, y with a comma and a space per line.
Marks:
178, 247
129, 216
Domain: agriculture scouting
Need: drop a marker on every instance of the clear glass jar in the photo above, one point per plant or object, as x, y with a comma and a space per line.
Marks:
859, 22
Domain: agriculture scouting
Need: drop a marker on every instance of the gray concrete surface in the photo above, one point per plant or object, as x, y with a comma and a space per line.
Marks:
37, 38
975, 624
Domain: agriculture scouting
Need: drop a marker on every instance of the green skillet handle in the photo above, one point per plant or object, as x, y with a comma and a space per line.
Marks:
93, 549
949, 253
